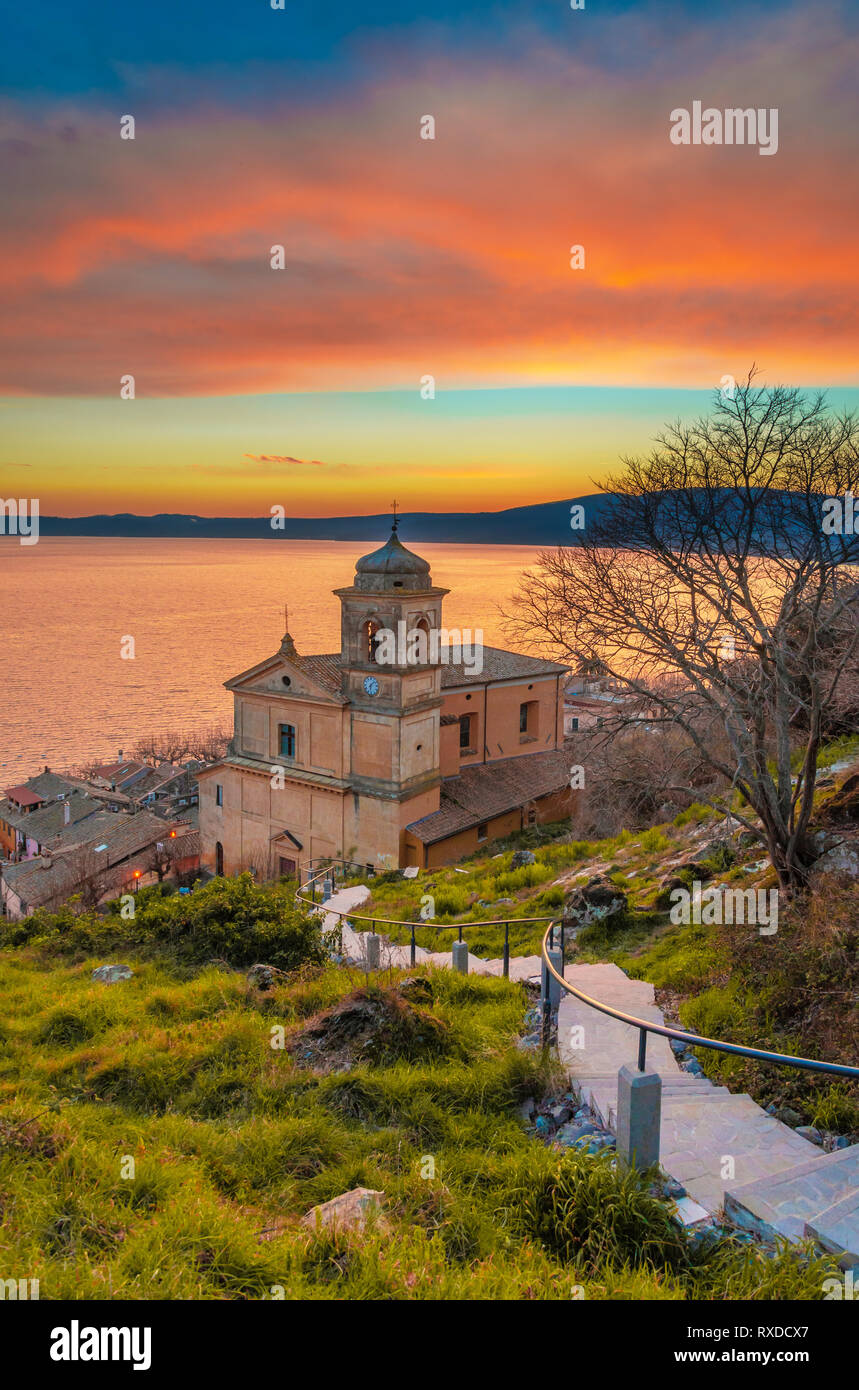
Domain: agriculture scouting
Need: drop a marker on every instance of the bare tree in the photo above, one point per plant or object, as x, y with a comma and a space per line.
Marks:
709, 588
160, 859
206, 744
84, 873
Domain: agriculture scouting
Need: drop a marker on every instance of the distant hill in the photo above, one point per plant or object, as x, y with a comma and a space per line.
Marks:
544, 524
547, 523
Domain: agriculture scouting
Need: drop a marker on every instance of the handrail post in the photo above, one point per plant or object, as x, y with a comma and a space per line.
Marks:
563, 955
460, 931
507, 950
413, 944
642, 1048
546, 1031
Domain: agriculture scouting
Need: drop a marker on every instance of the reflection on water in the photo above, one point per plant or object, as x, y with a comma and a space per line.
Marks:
199, 612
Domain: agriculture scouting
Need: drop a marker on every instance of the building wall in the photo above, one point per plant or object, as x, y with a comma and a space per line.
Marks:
318, 741
555, 806
327, 822
7, 839
494, 710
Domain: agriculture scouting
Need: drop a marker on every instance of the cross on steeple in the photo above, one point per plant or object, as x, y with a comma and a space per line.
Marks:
394, 509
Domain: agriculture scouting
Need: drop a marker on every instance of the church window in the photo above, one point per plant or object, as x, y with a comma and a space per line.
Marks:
371, 641
465, 731
287, 740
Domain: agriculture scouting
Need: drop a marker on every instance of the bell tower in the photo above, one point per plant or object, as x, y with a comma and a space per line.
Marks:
391, 618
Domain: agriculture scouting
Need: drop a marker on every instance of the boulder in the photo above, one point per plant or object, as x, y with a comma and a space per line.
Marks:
111, 974
787, 1116
569, 1133
262, 977
842, 861
521, 858
718, 852
594, 901
351, 1211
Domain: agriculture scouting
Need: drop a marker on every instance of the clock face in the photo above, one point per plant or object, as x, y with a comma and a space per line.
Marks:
371, 685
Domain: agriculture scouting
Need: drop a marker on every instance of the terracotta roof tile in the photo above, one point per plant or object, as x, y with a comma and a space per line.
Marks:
486, 790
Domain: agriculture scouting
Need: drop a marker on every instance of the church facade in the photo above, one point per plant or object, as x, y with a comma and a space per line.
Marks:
415, 761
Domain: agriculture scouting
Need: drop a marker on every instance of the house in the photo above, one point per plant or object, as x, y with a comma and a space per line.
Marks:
589, 704
408, 760
106, 854
47, 788
32, 827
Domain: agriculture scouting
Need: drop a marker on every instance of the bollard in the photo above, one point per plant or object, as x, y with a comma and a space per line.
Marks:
550, 995
459, 957
374, 950
327, 889
549, 986
639, 1113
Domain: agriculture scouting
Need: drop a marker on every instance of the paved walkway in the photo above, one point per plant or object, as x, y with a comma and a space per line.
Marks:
725, 1150
399, 957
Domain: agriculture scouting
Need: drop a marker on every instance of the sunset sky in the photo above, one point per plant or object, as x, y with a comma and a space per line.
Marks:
405, 257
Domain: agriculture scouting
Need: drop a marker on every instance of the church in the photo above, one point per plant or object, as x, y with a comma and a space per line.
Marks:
414, 763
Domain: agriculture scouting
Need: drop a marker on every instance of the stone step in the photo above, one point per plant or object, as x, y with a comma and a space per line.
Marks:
686, 1108
818, 1197
837, 1228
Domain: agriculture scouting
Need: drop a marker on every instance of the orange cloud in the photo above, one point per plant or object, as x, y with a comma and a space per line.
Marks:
449, 257
283, 458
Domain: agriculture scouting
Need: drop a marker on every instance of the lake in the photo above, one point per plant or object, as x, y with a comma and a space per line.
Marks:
198, 611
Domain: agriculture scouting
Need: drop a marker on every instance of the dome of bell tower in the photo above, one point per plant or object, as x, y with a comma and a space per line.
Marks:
392, 567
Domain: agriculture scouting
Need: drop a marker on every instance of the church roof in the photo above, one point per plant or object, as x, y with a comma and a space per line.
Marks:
498, 665
482, 791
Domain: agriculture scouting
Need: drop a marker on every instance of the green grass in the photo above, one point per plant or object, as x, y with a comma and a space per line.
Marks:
154, 1145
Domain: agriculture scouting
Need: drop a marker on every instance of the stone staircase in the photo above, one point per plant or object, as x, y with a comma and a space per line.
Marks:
727, 1152
779, 1184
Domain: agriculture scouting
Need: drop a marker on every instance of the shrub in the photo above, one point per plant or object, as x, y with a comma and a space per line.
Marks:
233, 920
653, 841
696, 813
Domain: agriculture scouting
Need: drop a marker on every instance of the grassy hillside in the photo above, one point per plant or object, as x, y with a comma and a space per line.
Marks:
153, 1144
162, 1137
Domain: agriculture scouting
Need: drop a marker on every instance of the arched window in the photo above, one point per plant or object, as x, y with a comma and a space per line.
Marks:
423, 652
219, 859
371, 641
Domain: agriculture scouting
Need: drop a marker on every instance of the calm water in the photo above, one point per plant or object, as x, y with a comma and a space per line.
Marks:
199, 611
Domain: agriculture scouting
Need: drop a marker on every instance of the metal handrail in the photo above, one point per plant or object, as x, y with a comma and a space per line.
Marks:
644, 1026
504, 922
691, 1039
